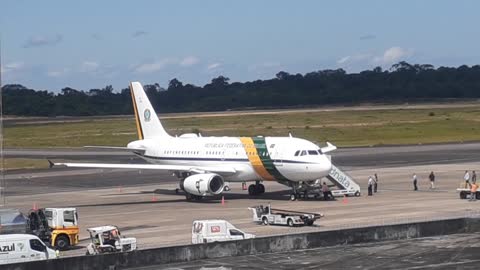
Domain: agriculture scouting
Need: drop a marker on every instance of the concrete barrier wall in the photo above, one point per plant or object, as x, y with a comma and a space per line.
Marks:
260, 245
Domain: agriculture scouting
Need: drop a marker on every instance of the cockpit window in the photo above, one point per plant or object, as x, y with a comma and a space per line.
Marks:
303, 153
312, 152
320, 151
298, 152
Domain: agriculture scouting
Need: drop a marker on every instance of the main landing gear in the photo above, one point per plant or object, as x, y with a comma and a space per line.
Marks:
256, 189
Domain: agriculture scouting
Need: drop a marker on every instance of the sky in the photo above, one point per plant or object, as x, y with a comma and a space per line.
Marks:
89, 44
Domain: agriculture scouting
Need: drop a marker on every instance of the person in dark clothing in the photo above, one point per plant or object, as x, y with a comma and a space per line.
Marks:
375, 185
474, 177
432, 180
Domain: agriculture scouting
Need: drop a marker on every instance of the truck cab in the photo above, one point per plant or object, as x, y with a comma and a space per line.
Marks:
17, 248
64, 226
206, 231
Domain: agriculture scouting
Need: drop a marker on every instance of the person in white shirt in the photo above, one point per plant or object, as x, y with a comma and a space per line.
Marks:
466, 177
414, 178
370, 185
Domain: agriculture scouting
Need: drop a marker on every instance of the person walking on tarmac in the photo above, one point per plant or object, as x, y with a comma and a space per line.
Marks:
414, 178
327, 194
466, 177
474, 177
375, 185
432, 180
473, 192
370, 186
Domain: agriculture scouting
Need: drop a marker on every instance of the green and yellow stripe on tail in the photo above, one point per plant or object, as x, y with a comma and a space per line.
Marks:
137, 119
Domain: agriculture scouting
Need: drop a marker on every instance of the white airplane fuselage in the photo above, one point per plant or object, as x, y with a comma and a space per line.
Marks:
280, 159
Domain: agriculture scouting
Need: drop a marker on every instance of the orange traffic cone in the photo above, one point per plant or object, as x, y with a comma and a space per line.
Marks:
120, 189
223, 200
154, 199
34, 207
344, 200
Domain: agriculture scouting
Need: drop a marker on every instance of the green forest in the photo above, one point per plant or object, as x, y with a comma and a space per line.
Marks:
402, 82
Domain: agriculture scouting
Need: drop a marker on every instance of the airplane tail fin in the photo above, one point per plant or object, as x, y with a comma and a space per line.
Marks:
148, 124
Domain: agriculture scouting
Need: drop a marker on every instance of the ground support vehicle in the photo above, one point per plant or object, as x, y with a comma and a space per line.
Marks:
465, 193
19, 248
268, 216
107, 239
206, 231
57, 227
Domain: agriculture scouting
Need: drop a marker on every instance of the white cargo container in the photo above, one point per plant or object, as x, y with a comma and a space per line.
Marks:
17, 248
206, 231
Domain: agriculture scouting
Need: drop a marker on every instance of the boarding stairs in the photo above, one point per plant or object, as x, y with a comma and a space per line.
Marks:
345, 183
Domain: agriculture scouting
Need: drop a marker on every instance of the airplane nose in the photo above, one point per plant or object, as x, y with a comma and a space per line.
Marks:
325, 165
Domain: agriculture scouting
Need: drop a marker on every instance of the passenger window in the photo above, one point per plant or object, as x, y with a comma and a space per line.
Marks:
68, 216
37, 245
304, 153
312, 152
235, 232
298, 152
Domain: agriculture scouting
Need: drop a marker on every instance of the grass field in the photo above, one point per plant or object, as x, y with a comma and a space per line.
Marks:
343, 128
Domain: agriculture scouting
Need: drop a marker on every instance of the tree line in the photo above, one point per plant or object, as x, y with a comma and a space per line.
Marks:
402, 82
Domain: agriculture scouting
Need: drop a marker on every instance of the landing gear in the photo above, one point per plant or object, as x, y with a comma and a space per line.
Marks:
256, 189
293, 197
191, 197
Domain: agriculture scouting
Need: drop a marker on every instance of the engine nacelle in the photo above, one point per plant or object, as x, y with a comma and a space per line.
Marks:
204, 184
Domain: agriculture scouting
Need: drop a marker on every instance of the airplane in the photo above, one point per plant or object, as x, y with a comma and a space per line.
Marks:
204, 165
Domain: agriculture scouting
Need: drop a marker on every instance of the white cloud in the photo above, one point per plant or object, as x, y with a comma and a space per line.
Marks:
153, 66
38, 41
214, 66
365, 60
89, 66
189, 61
57, 73
13, 66
393, 55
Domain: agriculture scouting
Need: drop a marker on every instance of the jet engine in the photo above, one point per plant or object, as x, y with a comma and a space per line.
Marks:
204, 184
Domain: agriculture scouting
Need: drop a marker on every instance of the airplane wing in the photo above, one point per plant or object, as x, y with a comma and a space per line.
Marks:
127, 149
183, 168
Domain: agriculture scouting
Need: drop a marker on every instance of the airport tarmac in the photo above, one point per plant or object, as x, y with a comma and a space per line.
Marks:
143, 203
458, 251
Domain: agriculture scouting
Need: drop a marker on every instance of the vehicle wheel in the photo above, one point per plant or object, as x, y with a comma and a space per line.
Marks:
309, 223
177, 190
463, 195
290, 222
261, 188
251, 190
357, 194
62, 242
188, 196
477, 195
265, 221
293, 197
